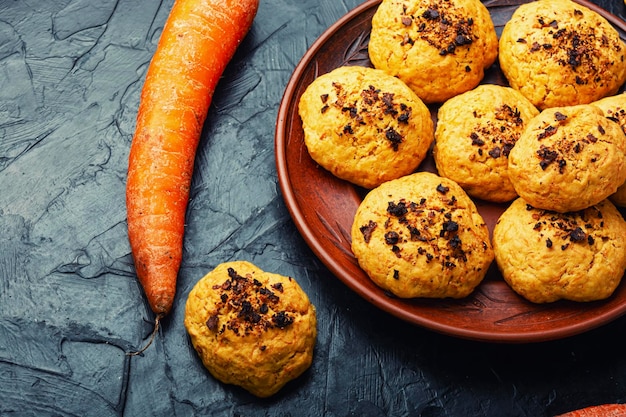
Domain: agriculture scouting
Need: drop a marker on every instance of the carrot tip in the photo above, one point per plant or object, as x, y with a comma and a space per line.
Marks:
157, 321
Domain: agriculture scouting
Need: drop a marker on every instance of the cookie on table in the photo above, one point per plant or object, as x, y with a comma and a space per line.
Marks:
365, 126
568, 158
475, 132
251, 328
439, 48
546, 256
614, 107
421, 236
560, 53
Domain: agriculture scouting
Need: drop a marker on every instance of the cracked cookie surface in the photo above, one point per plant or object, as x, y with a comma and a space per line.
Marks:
547, 256
422, 236
614, 108
364, 126
251, 328
438, 48
568, 158
475, 133
560, 53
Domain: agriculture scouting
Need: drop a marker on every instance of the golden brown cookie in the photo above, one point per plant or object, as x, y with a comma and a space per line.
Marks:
614, 107
568, 158
365, 126
421, 236
560, 53
475, 132
547, 256
619, 197
251, 328
440, 48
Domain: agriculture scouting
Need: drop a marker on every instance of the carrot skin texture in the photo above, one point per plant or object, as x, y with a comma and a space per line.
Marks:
602, 410
198, 41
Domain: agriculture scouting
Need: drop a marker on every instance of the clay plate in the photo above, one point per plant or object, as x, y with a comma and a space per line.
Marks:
323, 207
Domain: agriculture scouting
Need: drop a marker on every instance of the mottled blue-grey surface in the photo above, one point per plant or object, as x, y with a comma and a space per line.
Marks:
70, 307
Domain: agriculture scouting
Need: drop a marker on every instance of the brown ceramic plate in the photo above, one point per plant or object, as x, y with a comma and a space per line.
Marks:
323, 207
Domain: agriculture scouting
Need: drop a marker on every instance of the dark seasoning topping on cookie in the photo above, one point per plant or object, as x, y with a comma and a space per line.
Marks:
374, 105
618, 115
497, 137
558, 153
254, 304
441, 25
430, 222
579, 227
578, 46
367, 230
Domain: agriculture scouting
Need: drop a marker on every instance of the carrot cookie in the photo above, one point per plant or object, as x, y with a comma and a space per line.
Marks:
251, 328
547, 256
422, 236
614, 107
440, 48
560, 53
365, 126
568, 159
475, 132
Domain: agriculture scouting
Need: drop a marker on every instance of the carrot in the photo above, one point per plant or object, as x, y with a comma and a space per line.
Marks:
603, 410
198, 40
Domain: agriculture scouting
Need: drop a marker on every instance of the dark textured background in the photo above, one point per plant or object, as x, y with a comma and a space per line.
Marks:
70, 76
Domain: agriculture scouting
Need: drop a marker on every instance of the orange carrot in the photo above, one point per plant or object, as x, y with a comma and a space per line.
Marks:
603, 410
198, 41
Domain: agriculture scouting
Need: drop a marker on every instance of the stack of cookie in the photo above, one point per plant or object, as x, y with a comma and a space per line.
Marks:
550, 146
